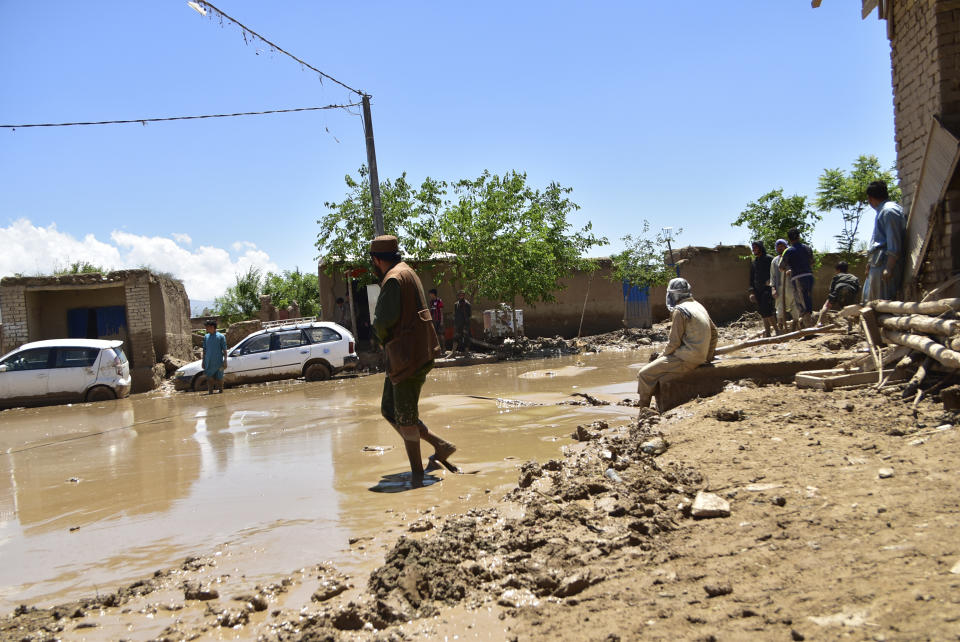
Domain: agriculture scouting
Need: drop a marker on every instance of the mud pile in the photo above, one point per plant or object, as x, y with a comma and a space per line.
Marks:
606, 494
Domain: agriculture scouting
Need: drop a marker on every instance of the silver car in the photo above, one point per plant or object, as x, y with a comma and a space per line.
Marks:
314, 350
63, 371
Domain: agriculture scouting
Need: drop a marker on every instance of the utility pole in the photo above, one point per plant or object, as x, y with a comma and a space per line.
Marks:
372, 165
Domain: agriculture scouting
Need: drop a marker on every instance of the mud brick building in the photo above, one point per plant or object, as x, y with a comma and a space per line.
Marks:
148, 312
925, 59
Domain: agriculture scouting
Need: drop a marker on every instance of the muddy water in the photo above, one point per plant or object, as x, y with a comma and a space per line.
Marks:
273, 477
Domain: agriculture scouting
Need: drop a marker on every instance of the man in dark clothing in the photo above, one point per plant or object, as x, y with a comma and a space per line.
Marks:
461, 323
844, 288
402, 323
436, 312
797, 262
760, 291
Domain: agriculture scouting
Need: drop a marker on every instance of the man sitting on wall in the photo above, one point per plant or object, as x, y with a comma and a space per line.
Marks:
693, 340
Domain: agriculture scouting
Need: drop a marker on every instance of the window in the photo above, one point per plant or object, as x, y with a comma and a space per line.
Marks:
290, 339
36, 359
322, 335
76, 357
256, 344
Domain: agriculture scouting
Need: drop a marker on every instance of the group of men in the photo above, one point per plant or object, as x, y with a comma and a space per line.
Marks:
783, 284
409, 327
461, 319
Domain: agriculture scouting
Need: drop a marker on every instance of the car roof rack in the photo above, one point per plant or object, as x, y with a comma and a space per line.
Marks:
268, 325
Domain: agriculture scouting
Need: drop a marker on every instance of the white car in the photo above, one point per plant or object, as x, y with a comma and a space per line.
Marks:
314, 350
64, 370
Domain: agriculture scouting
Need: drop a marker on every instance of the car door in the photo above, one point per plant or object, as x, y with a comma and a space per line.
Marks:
250, 361
26, 375
73, 372
291, 349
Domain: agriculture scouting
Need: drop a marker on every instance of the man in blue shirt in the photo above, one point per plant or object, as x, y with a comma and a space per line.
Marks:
214, 356
797, 262
886, 246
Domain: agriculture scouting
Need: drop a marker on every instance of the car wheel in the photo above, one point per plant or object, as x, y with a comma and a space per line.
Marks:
100, 393
316, 372
199, 383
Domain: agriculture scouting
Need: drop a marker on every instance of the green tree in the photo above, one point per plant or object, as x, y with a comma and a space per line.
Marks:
773, 214
408, 213
298, 286
642, 263
847, 193
506, 241
241, 301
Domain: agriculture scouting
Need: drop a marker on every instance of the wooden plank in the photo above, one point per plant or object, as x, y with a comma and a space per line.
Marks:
939, 163
733, 347
828, 380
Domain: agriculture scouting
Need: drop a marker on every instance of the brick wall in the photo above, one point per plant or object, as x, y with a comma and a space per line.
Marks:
925, 54
140, 330
13, 311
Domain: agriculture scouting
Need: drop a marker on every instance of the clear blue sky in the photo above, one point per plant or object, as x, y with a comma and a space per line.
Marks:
679, 113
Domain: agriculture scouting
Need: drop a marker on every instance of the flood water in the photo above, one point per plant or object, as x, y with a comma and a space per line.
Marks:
96, 495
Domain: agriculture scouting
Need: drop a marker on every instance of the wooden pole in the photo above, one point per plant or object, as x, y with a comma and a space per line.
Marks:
777, 339
926, 345
372, 166
932, 308
920, 323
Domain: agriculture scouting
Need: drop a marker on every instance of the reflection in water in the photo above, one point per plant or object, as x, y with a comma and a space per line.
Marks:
280, 472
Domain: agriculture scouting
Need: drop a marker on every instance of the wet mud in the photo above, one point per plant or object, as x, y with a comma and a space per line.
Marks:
764, 512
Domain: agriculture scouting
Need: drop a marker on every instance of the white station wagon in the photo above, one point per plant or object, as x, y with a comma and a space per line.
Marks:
314, 350
64, 370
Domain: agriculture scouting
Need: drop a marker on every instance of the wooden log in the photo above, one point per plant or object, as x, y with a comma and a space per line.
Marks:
920, 323
926, 345
932, 308
849, 312
868, 319
914, 384
733, 347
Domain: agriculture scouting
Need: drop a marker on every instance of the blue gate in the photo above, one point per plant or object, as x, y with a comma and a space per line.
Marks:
636, 304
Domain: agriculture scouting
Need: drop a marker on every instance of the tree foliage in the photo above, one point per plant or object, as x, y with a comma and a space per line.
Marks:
498, 237
506, 241
773, 214
241, 301
642, 263
846, 192
408, 213
302, 287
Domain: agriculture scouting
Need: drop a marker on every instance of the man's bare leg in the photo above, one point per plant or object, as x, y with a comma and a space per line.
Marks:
411, 441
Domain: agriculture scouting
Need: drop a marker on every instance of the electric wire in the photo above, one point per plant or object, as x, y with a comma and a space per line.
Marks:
144, 121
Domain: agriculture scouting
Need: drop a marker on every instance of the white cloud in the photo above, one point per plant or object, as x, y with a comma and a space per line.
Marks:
206, 271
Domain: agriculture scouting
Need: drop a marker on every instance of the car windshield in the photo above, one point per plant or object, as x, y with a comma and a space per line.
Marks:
34, 359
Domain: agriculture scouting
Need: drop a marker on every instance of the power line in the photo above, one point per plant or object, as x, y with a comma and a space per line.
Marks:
144, 121
277, 47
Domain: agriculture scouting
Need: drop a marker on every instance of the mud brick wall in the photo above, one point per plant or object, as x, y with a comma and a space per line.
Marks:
925, 56
140, 328
13, 311
170, 310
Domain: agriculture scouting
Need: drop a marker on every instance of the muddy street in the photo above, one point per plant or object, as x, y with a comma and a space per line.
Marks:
272, 477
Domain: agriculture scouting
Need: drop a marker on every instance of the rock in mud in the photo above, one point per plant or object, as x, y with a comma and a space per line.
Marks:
582, 434
575, 584
885, 473
196, 592
725, 414
718, 589
707, 505
656, 446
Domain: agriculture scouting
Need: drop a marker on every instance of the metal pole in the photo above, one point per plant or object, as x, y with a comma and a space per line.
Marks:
372, 165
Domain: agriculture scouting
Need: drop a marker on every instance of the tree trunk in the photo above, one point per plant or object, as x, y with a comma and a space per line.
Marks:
920, 323
926, 345
910, 307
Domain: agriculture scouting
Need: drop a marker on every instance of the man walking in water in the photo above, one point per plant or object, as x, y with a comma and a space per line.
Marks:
693, 340
403, 323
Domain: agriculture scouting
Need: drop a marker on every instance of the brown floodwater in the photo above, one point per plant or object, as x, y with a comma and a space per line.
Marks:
275, 477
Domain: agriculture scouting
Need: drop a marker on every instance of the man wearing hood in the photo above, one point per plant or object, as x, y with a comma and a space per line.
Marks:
693, 340
404, 326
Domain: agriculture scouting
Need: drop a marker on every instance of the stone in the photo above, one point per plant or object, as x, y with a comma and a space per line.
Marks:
716, 590
724, 414
885, 473
656, 446
706, 505
950, 398
956, 568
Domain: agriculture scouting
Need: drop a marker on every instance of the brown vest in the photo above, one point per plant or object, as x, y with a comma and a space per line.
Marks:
414, 341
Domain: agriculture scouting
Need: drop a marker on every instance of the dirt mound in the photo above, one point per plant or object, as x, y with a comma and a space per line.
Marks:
607, 494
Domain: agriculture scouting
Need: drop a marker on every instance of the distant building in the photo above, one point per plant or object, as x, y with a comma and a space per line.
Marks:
148, 312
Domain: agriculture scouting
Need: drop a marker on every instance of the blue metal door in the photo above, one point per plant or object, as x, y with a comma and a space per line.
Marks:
636, 303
